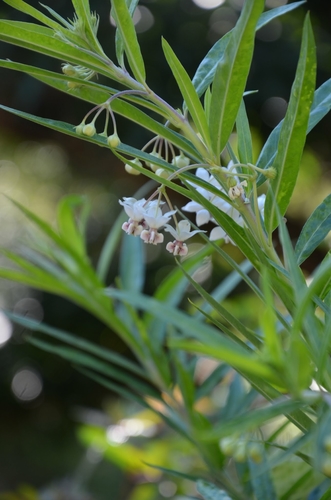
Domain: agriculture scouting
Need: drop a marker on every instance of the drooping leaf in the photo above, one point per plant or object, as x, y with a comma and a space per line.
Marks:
293, 132
314, 231
231, 75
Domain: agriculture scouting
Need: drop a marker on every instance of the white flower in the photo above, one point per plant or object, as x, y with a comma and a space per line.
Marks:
135, 209
181, 234
155, 219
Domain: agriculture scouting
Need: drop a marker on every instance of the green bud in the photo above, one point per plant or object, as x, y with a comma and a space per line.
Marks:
240, 453
180, 161
73, 85
326, 466
162, 173
113, 141
151, 165
228, 445
255, 452
231, 182
132, 170
270, 172
79, 128
89, 130
69, 70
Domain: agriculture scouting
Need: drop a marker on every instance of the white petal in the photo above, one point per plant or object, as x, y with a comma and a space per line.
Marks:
192, 206
217, 233
203, 217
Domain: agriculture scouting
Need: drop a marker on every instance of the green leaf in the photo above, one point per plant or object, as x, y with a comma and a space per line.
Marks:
245, 146
213, 343
209, 491
207, 68
78, 343
36, 14
320, 107
251, 419
132, 263
125, 26
83, 11
130, 112
41, 39
314, 231
119, 43
231, 75
69, 228
261, 480
90, 362
188, 92
293, 132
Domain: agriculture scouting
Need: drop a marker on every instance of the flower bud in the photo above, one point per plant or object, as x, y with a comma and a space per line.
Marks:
326, 466
228, 445
180, 161
240, 453
270, 173
73, 85
79, 128
151, 165
89, 130
255, 452
113, 141
162, 173
69, 70
132, 170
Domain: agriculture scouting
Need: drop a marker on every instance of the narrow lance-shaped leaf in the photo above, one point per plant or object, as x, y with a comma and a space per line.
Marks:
293, 132
119, 43
125, 25
188, 92
314, 231
245, 146
231, 75
68, 226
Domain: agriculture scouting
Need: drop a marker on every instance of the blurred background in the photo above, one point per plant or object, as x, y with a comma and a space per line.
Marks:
62, 436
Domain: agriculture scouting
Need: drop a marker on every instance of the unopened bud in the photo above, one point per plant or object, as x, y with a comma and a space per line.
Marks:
271, 173
228, 445
255, 452
240, 453
89, 130
326, 466
152, 165
113, 141
79, 128
161, 172
131, 170
69, 70
180, 161
73, 85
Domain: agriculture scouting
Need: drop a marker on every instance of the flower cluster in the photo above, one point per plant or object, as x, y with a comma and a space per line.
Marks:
145, 220
203, 216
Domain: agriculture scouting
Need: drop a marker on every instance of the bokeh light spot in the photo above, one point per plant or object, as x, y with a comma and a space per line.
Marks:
6, 329
27, 384
273, 111
167, 488
208, 4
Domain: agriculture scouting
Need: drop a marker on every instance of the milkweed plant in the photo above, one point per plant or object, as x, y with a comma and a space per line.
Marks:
277, 412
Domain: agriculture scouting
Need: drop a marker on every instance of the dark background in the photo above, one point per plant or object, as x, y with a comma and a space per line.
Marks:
38, 440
